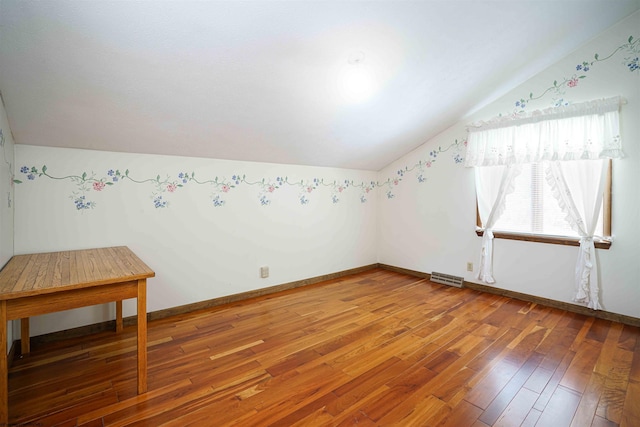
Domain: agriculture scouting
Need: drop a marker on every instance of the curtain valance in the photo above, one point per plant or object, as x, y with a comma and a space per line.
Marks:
589, 130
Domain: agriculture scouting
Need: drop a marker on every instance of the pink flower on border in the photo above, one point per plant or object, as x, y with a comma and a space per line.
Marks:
395, 182
225, 188
171, 188
367, 189
309, 189
271, 189
340, 189
573, 82
98, 185
428, 164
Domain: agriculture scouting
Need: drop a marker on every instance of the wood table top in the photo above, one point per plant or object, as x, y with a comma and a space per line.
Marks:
42, 273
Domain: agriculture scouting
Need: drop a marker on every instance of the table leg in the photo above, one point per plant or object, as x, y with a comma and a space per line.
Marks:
4, 369
25, 344
142, 336
118, 316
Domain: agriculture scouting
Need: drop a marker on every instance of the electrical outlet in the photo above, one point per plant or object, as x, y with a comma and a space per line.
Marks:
264, 272
469, 266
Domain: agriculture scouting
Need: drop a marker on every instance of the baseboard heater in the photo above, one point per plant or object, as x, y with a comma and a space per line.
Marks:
447, 279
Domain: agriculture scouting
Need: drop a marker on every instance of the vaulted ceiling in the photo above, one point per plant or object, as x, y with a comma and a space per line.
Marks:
264, 80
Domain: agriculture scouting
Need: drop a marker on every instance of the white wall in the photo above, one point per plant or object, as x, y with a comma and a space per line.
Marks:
198, 251
430, 226
6, 195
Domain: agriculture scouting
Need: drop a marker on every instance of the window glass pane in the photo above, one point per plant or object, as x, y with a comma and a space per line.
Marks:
532, 208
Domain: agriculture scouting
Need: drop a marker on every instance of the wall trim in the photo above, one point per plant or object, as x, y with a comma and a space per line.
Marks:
265, 292
415, 273
574, 308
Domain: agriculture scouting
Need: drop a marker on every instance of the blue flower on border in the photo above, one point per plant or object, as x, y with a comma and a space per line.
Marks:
24, 169
585, 66
560, 103
522, 103
115, 175
82, 204
158, 202
303, 200
184, 177
217, 202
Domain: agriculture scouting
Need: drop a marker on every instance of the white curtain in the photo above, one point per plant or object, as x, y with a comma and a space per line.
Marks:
493, 186
579, 194
586, 131
580, 131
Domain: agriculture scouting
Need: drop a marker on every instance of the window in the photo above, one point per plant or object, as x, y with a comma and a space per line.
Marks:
532, 212
523, 164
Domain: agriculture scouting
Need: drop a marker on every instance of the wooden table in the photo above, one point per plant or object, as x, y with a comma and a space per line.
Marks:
36, 284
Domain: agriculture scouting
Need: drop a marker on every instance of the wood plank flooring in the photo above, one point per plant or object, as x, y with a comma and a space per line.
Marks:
378, 348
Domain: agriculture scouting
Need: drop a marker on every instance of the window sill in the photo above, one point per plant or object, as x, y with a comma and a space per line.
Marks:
556, 240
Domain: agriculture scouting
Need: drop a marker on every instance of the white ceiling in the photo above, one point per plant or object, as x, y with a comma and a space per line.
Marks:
259, 80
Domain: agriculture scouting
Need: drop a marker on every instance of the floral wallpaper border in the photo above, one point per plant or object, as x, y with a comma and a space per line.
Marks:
559, 88
221, 187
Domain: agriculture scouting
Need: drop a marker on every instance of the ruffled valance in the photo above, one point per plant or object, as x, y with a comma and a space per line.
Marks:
589, 130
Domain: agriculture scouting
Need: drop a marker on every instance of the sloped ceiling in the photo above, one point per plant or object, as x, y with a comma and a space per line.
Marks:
261, 80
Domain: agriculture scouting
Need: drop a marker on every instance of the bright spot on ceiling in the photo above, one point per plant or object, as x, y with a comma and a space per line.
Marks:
357, 79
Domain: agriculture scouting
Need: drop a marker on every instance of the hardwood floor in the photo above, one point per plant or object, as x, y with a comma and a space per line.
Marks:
374, 349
